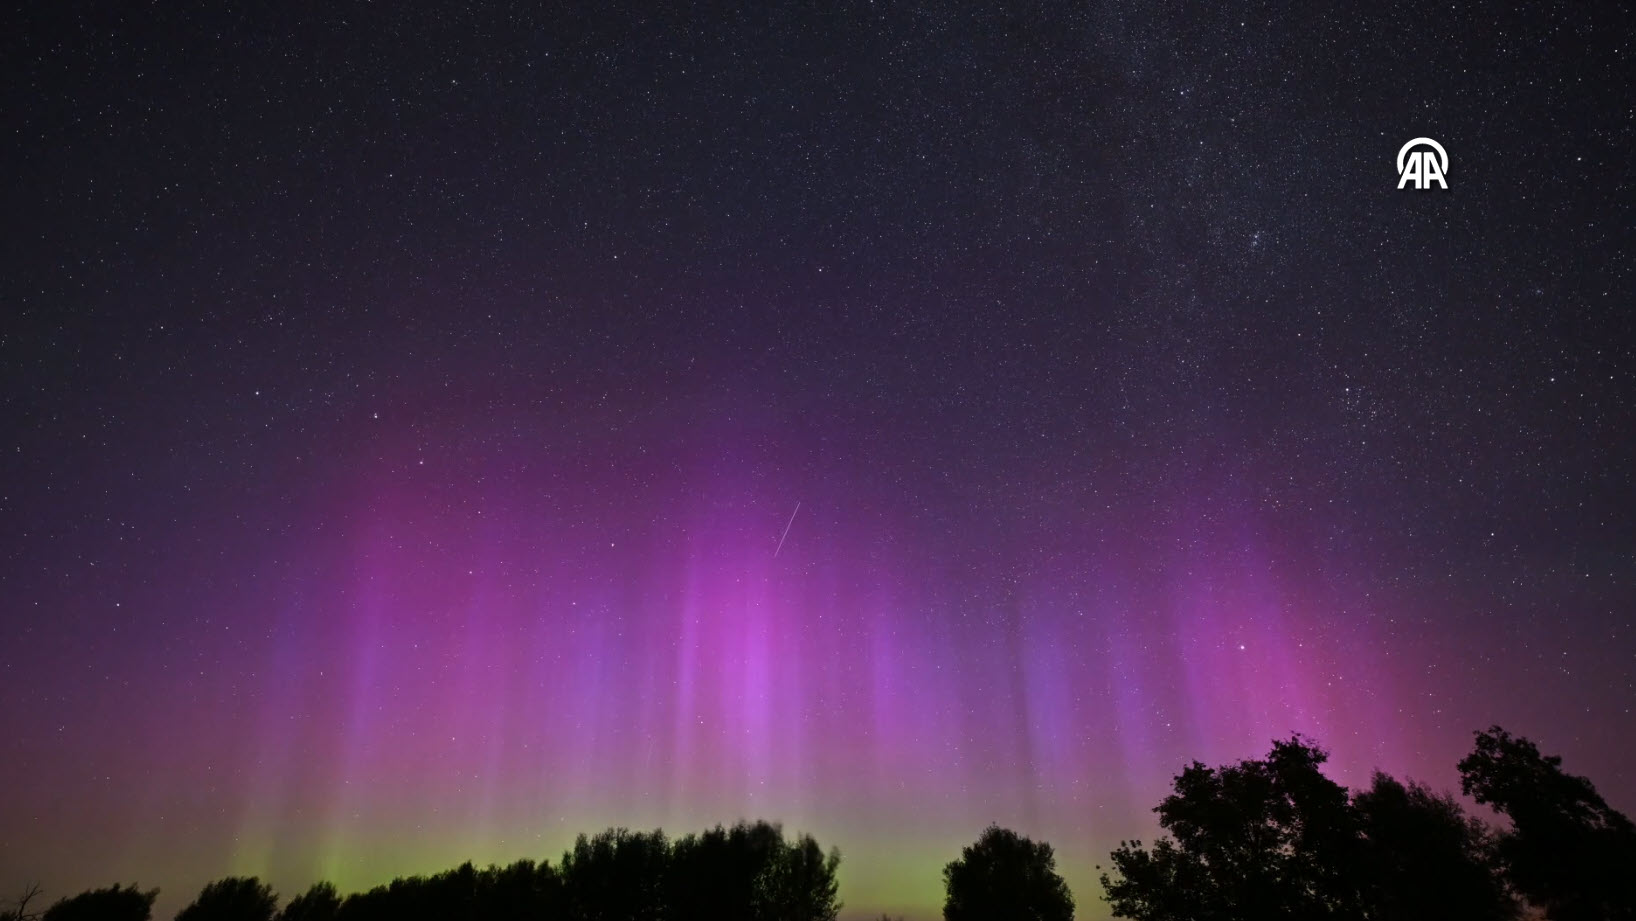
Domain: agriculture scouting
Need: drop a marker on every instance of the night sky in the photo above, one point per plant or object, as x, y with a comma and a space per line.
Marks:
431, 432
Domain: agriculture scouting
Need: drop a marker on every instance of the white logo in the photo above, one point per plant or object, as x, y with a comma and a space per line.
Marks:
1422, 167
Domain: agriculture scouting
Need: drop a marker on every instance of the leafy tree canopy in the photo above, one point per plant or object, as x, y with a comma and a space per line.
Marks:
236, 898
1006, 877
1567, 850
1274, 839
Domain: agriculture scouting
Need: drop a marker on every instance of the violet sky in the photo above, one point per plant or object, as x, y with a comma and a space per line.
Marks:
403, 407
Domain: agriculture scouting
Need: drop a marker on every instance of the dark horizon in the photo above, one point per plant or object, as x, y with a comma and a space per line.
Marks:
431, 433
1270, 837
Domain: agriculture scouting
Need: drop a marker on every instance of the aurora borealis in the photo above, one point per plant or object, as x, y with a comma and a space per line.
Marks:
404, 411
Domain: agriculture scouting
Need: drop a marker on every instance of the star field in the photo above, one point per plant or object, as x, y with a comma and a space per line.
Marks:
402, 409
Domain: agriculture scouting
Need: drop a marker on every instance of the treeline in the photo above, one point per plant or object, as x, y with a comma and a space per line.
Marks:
1268, 839
1276, 839
749, 872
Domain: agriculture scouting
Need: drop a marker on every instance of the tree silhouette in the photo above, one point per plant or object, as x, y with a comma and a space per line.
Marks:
20, 910
1276, 840
717, 875
747, 873
617, 876
1567, 850
800, 885
524, 890
1005, 876
1425, 858
451, 894
116, 903
236, 898
1269, 839
750, 873
319, 903
394, 901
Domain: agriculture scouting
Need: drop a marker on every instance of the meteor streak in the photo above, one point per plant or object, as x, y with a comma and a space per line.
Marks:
786, 531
